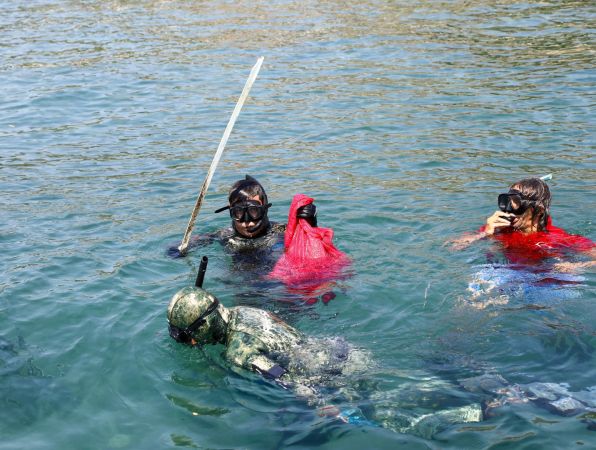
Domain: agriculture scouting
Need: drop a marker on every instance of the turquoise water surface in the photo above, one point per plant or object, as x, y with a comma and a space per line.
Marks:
404, 120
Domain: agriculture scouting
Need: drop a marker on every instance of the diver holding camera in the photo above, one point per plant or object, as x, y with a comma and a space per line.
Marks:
523, 226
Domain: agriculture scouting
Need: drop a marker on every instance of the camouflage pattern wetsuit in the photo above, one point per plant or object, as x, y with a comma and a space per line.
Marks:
317, 369
556, 397
259, 341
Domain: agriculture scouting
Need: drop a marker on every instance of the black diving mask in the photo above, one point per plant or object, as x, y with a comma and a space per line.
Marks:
184, 336
514, 202
249, 211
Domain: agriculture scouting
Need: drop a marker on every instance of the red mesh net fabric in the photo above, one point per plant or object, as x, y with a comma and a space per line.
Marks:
309, 253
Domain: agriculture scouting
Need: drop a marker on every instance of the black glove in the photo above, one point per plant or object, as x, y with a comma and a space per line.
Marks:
308, 212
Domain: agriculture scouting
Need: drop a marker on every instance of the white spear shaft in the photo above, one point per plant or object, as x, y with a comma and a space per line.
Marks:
224, 139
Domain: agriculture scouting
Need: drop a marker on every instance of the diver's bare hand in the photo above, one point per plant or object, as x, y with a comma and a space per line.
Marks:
464, 241
499, 219
573, 267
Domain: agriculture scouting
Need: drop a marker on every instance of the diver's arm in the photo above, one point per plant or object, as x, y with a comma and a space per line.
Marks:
580, 266
498, 220
466, 240
241, 352
245, 351
202, 239
195, 241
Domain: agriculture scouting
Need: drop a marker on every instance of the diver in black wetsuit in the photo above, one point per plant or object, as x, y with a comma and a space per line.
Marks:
251, 229
253, 241
252, 238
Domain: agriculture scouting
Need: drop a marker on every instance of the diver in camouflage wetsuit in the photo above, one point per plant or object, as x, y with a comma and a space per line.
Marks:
261, 342
555, 397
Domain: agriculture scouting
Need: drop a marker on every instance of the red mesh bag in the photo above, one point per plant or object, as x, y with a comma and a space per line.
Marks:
309, 254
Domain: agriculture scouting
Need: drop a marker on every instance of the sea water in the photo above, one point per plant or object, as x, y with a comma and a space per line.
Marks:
404, 120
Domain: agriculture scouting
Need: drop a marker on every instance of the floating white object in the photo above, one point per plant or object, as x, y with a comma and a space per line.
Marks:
224, 139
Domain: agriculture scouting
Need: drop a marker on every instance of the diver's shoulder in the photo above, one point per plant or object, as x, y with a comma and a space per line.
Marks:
225, 233
250, 314
249, 319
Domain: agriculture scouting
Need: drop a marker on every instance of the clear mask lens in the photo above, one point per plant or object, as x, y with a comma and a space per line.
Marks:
248, 212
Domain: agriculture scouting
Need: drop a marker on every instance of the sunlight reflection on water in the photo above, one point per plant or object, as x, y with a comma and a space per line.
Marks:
403, 120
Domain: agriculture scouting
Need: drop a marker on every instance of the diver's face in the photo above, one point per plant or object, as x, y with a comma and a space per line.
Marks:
525, 221
247, 226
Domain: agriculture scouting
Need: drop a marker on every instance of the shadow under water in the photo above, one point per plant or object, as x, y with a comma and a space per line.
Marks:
27, 395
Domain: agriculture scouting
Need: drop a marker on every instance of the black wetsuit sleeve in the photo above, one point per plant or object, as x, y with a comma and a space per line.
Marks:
200, 240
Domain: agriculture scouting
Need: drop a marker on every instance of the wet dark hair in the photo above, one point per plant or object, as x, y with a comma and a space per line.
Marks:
242, 190
537, 191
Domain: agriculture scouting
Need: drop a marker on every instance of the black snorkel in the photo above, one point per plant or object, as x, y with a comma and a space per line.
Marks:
202, 270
